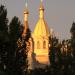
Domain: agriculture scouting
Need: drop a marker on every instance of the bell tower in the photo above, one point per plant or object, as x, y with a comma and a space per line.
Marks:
41, 40
26, 13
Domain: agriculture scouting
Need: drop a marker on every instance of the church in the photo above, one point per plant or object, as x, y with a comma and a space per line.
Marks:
39, 42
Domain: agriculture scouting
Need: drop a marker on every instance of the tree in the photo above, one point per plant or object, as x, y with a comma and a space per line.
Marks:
3, 37
72, 30
22, 52
3, 19
14, 34
53, 50
14, 29
55, 56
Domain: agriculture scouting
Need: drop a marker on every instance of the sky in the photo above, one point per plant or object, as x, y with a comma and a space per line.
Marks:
59, 14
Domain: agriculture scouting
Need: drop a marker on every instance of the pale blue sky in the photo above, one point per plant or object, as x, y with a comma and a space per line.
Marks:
59, 14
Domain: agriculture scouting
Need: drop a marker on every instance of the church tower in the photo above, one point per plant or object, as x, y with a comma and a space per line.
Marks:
29, 43
41, 40
26, 13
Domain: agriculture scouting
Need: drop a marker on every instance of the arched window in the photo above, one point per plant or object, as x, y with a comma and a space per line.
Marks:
44, 44
38, 45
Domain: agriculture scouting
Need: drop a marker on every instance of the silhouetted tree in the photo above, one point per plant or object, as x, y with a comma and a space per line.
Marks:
72, 30
53, 50
22, 52
3, 38
14, 34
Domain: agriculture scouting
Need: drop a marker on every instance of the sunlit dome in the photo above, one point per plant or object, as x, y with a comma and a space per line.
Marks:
41, 28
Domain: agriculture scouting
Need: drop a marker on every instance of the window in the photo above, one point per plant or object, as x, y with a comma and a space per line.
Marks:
38, 45
44, 45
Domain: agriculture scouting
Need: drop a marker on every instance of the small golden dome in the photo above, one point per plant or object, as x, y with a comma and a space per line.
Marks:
26, 11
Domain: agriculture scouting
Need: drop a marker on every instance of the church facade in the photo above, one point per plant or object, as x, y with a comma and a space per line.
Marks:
39, 41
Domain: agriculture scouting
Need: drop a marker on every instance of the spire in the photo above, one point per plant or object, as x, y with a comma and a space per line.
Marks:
41, 25
41, 9
26, 13
41, 5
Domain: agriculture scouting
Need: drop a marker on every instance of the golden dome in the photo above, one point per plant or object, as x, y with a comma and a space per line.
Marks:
41, 28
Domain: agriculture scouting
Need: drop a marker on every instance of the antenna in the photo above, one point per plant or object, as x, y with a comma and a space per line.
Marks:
26, 3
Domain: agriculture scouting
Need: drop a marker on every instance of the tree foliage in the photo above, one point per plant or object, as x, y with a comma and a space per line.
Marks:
3, 38
14, 29
72, 30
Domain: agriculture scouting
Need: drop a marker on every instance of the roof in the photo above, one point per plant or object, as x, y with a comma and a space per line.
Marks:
41, 28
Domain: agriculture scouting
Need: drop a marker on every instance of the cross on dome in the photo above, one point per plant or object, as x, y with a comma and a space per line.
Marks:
26, 4
26, 8
41, 0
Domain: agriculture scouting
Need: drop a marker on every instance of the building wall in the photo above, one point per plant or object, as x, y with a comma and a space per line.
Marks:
41, 50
